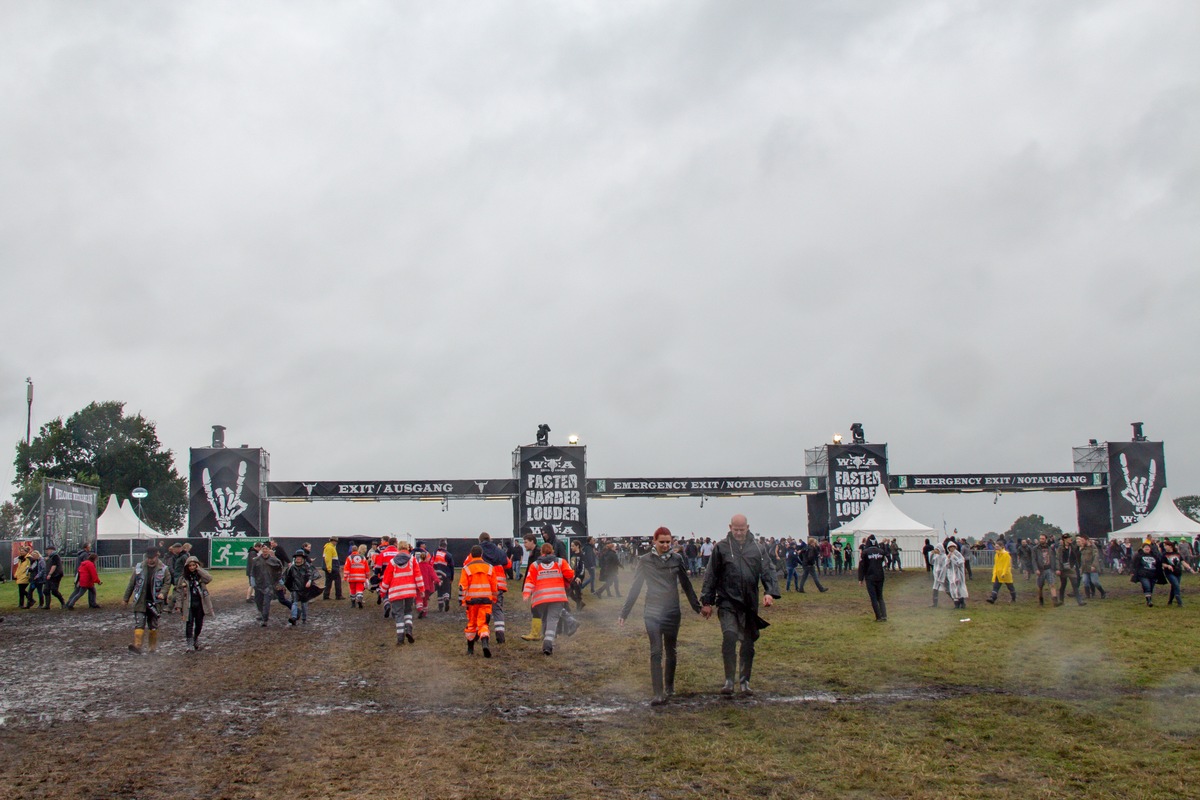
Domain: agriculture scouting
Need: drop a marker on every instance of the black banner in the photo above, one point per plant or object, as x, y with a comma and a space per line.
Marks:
997, 482
389, 490
855, 471
712, 487
552, 483
1136, 476
69, 512
225, 493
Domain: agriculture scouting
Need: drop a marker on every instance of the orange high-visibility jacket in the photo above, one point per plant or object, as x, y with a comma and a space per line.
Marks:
477, 582
385, 556
547, 582
356, 568
400, 582
501, 573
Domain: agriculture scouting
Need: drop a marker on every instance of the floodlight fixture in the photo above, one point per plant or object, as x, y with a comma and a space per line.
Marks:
573, 439
837, 438
856, 431
543, 435
1138, 436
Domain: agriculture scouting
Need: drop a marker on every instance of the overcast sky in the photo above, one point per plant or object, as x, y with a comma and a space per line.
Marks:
387, 240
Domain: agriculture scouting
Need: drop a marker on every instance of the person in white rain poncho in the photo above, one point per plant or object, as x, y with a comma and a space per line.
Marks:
937, 560
956, 577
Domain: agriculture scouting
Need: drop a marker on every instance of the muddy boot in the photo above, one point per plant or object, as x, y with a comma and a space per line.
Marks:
1149, 601
487, 650
138, 635
189, 642
1041, 599
991, 599
535, 630
499, 637
196, 644
727, 689
745, 689
658, 700
153, 637
1103, 594
470, 647
399, 639
1079, 599
547, 647
1012, 596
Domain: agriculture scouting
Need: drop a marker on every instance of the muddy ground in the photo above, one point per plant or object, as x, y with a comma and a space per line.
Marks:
335, 709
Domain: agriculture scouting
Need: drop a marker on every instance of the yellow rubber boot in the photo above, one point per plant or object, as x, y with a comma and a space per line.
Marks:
153, 641
535, 631
138, 633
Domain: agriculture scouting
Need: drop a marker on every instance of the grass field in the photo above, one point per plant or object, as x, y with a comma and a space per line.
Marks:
1018, 702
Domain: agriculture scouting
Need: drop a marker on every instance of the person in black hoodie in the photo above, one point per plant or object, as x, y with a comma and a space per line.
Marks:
871, 573
810, 559
737, 565
1147, 570
659, 571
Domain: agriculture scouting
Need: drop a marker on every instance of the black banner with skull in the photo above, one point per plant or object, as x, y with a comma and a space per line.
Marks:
226, 493
855, 472
1136, 477
551, 489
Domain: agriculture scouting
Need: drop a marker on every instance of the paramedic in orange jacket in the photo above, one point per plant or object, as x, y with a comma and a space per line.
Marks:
477, 592
356, 572
401, 583
546, 590
501, 564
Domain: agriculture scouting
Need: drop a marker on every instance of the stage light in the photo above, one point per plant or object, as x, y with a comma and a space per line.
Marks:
572, 439
837, 438
1094, 442
543, 435
856, 431
1137, 432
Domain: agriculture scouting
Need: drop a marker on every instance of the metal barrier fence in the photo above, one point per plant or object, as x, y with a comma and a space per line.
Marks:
103, 563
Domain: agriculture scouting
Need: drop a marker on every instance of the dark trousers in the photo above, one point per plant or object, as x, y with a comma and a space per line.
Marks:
195, 621
52, 592
875, 592
78, 593
24, 592
1062, 585
663, 633
810, 572
613, 583
1176, 592
735, 628
334, 580
262, 601
791, 576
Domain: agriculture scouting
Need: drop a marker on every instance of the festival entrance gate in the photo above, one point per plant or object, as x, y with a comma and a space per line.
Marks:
1115, 484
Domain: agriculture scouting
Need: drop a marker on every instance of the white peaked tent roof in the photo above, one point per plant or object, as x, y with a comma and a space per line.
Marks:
882, 518
121, 522
1166, 518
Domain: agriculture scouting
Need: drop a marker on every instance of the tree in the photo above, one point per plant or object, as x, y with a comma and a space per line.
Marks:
1031, 527
11, 520
100, 446
1190, 505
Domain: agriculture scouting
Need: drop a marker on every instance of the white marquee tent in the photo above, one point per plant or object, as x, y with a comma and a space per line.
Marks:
1165, 520
884, 520
120, 521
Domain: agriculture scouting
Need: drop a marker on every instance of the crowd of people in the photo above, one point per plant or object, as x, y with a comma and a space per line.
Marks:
406, 579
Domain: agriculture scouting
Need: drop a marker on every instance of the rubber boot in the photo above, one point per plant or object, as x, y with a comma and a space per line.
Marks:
153, 641
189, 641
535, 630
196, 644
470, 646
991, 598
1149, 601
487, 650
138, 635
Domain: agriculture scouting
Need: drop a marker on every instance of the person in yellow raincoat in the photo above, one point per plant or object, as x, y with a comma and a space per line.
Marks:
1002, 573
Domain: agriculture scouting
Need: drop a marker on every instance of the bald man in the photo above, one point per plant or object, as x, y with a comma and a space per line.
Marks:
737, 566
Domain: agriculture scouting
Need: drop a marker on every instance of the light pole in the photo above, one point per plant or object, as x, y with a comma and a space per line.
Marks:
139, 494
29, 411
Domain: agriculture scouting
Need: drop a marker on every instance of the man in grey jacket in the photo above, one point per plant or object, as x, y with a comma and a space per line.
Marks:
737, 566
268, 572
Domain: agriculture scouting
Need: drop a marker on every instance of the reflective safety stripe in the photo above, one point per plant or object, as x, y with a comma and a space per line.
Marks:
477, 580
546, 584
402, 582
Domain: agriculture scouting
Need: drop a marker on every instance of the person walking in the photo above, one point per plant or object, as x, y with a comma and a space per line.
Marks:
871, 573
810, 560
736, 568
1090, 560
401, 583
54, 576
660, 571
443, 565
268, 575
195, 599
1066, 566
1002, 575
1173, 565
86, 580
1043, 564
24, 577
1148, 570
428, 577
793, 558
501, 565
357, 570
610, 565
477, 590
298, 580
147, 590
926, 552
333, 568
546, 590
37, 578
956, 576
940, 566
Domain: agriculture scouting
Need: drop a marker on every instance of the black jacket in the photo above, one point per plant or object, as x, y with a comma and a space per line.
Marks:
660, 574
870, 564
734, 573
